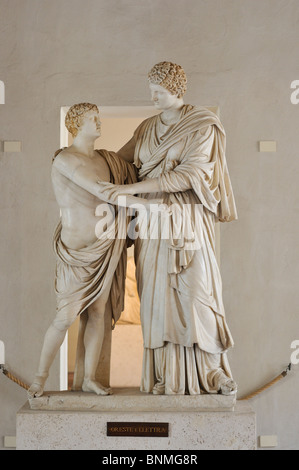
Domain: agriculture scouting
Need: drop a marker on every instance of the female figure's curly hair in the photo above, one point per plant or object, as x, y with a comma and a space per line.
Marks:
75, 114
170, 76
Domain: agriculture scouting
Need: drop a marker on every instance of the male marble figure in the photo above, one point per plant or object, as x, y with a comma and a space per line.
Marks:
90, 271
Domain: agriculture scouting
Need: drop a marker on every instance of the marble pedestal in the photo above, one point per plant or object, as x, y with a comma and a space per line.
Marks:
78, 421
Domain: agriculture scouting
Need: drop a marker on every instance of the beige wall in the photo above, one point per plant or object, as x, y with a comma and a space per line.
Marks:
238, 54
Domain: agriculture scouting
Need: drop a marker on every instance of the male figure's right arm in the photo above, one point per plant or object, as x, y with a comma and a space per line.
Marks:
73, 169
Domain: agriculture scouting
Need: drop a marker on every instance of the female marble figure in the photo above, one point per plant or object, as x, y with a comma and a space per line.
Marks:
180, 156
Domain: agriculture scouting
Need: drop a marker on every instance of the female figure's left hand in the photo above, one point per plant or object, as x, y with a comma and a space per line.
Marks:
110, 192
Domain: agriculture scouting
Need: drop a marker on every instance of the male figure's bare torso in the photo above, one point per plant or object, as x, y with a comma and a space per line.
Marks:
77, 204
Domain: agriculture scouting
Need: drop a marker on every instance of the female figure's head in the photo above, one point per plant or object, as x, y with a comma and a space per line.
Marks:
170, 76
168, 84
76, 117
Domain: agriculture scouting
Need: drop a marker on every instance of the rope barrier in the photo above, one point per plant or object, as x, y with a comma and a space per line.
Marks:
268, 385
247, 397
12, 377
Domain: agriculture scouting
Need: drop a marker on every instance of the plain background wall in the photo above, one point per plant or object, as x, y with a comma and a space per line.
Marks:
238, 54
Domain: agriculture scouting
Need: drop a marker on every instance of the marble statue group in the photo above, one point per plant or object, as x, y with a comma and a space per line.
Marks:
170, 182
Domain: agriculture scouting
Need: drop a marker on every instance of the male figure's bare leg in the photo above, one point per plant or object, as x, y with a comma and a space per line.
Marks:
53, 340
93, 342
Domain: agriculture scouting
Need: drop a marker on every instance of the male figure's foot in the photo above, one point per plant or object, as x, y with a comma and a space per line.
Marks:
37, 388
95, 387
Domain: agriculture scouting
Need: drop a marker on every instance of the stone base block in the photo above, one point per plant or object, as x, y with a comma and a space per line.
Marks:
131, 399
78, 421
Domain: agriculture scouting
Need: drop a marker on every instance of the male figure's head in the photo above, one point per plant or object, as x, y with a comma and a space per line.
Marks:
83, 117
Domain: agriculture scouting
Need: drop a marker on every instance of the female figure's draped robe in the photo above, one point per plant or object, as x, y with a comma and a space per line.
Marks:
182, 315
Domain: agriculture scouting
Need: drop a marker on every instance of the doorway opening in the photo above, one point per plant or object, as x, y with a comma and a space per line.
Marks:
118, 125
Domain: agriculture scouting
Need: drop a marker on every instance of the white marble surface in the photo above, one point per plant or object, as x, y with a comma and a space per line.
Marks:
131, 399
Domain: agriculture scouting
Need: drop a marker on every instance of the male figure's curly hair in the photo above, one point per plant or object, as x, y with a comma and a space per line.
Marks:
170, 76
75, 114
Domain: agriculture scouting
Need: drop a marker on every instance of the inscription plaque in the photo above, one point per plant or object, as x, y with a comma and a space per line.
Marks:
137, 429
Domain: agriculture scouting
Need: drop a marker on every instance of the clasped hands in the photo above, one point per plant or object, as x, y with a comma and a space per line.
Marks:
111, 193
